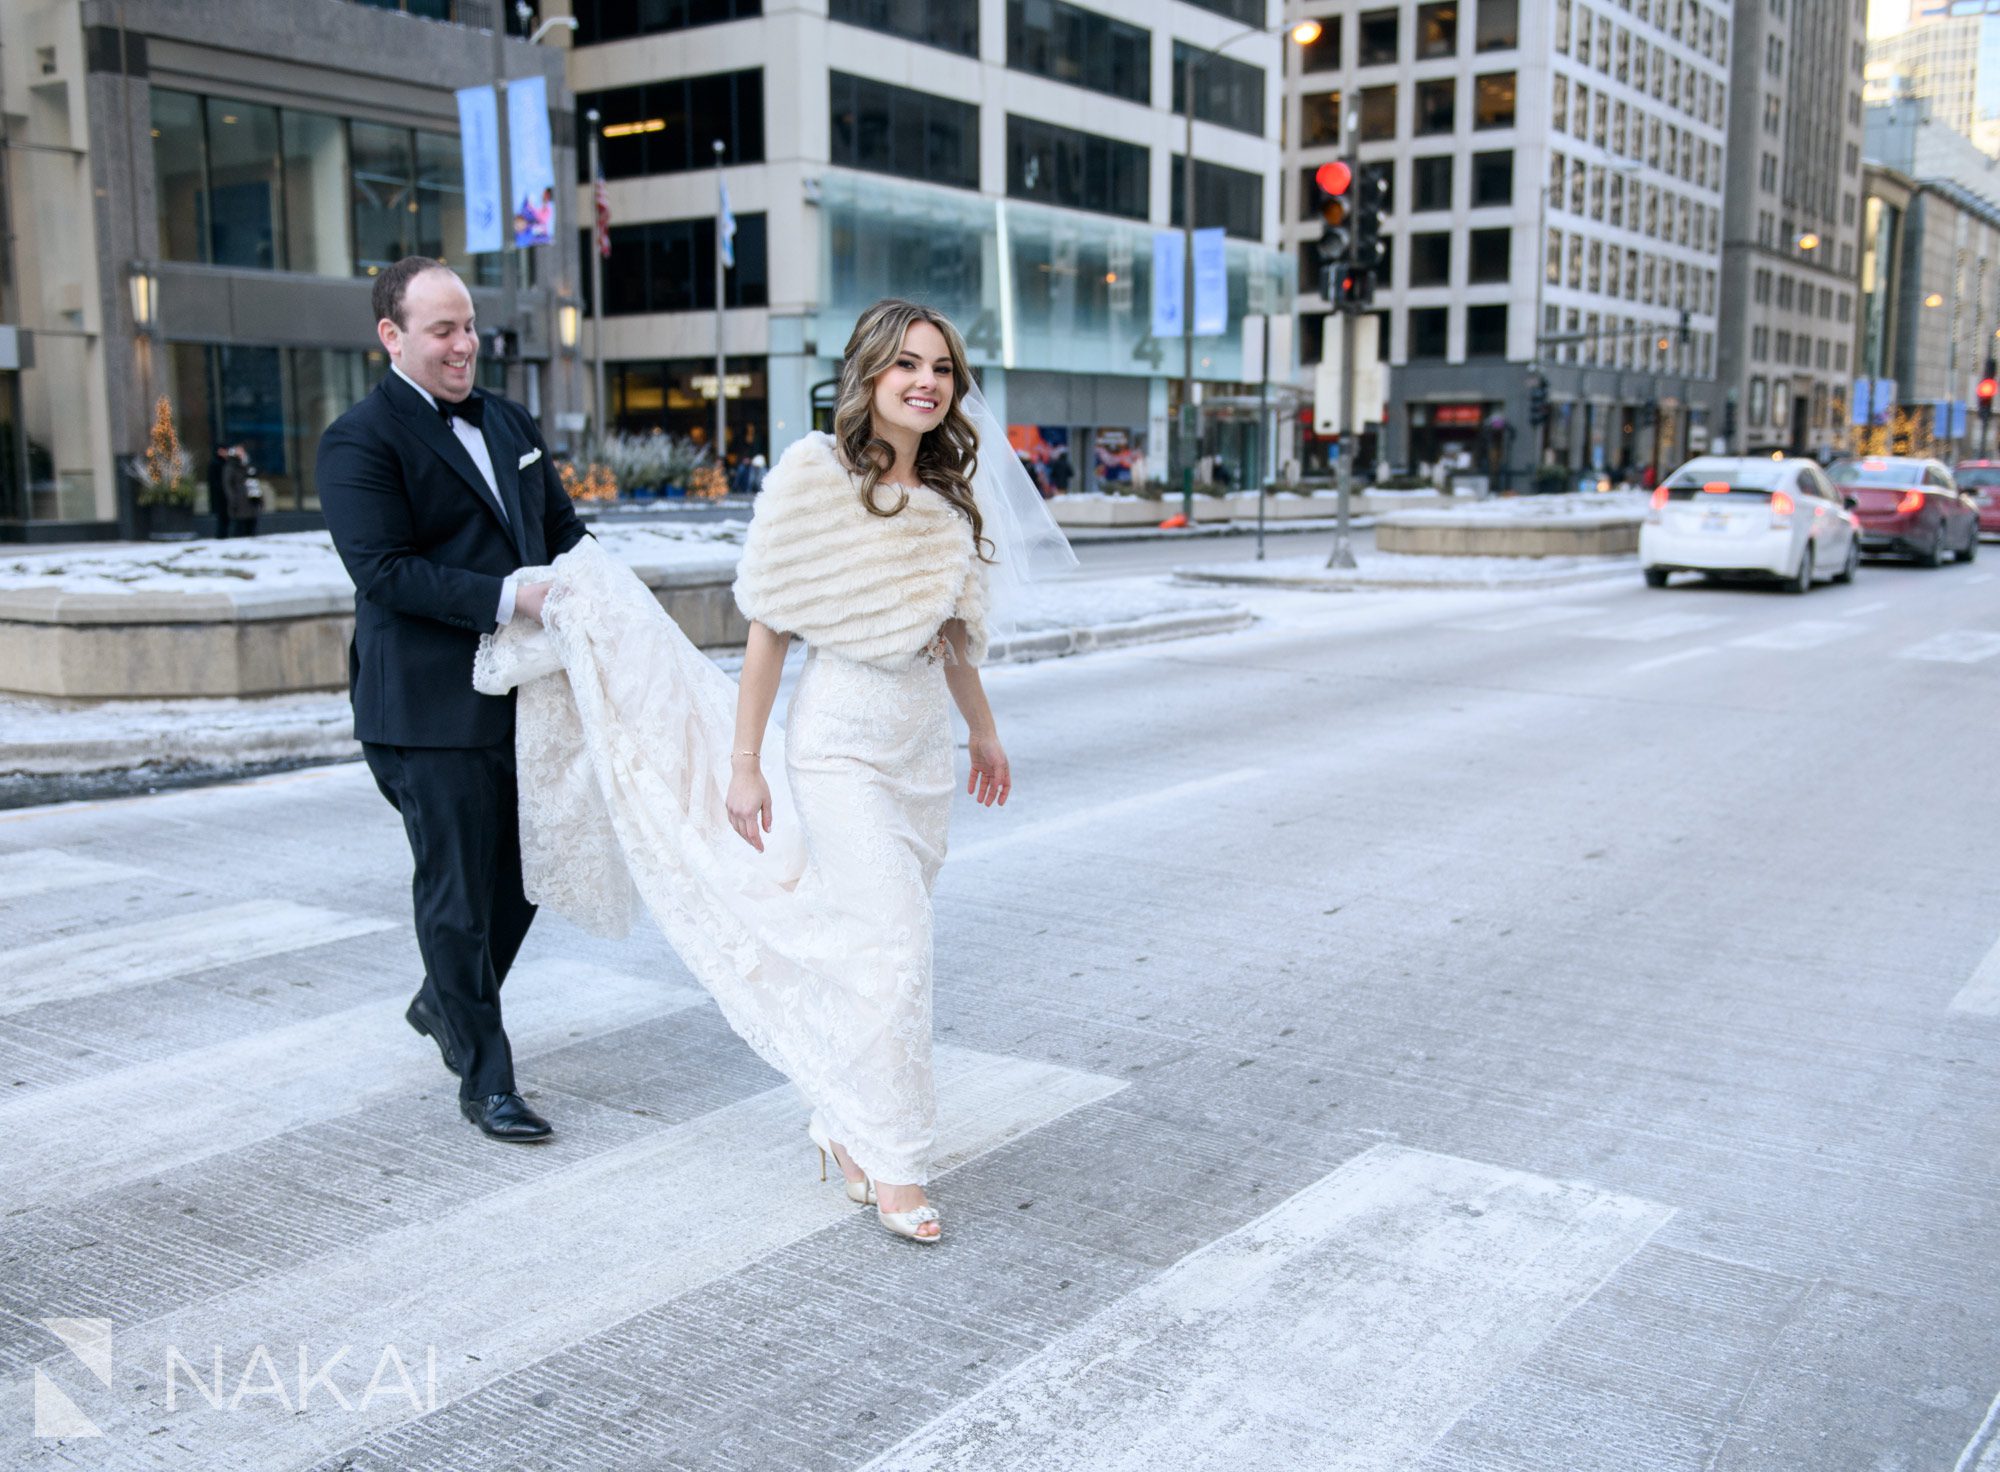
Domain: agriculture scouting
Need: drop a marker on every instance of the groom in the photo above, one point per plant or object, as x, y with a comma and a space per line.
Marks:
436, 494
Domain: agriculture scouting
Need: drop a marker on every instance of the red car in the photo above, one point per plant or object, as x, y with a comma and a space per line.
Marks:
1982, 479
1909, 507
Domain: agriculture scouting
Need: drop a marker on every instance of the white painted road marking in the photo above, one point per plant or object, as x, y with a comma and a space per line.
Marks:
1810, 633
1666, 659
43, 870
153, 950
1981, 995
101, 1132
1955, 646
585, 1247
1982, 1453
1348, 1328
1091, 817
1659, 626
1862, 612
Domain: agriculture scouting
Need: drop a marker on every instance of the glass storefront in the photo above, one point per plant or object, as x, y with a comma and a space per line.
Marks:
677, 396
275, 402
1029, 286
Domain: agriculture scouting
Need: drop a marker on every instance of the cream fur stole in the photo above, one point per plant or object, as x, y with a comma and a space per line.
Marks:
820, 565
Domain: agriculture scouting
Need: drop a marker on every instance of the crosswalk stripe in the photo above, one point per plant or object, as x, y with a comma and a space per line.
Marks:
101, 1132
1659, 626
1982, 1453
1955, 646
1526, 618
1382, 1303
43, 870
127, 956
1091, 817
516, 1276
1981, 995
1807, 633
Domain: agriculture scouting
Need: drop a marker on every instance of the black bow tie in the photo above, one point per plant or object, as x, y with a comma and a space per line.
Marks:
471, 408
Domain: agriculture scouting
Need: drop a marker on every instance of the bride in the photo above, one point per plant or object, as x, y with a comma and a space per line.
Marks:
891, 548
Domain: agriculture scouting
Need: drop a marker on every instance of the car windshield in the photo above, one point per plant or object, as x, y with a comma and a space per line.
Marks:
1979, 477
1878, 473
1693, 479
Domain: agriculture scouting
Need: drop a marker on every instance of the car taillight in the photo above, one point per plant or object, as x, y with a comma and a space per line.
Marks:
1911, 504
1659, 498
1781, 509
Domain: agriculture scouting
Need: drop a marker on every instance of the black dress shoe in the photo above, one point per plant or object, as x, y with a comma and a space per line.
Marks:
506, 1117
431, 1026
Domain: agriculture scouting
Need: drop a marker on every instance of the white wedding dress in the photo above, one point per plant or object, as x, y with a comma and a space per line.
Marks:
818, 950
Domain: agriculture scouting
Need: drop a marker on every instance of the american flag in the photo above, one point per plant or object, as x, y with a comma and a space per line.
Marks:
603, 218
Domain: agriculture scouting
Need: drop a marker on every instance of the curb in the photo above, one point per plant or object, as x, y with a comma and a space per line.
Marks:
1103, 536
1202, 577
311, 730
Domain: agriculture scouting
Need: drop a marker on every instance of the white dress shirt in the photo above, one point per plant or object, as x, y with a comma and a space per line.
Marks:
474, 441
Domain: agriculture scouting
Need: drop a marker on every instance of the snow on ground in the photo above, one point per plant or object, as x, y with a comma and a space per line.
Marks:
301, 560
1406, 570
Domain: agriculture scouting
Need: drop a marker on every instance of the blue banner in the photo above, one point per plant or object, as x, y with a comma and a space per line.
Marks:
1211, 284
1169, 284
1948, 420
1873, 400
479, 156
532, 157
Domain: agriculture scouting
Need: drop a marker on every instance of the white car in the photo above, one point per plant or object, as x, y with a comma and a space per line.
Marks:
1743, 516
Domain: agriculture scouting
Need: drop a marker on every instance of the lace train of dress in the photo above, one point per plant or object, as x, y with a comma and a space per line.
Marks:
818, 951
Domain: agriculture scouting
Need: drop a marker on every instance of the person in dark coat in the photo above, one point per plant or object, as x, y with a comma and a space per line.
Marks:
243, 493
222, 468
437, 494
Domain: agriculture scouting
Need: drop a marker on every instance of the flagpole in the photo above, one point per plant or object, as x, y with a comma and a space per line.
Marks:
721, 394
599, 237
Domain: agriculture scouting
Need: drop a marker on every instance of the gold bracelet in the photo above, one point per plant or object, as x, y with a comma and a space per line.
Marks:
749, 753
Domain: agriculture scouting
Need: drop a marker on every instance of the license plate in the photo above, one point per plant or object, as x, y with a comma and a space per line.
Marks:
1715, 521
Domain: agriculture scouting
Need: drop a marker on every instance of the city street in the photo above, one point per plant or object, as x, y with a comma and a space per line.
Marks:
1445, 1030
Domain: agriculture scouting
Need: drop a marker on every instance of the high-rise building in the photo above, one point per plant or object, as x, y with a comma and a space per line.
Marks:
1555, 171
195, 198
1791, 232
1013, 162
1950, 57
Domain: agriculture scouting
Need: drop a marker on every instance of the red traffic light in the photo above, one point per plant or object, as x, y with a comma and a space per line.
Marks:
1986, 390
1333, 178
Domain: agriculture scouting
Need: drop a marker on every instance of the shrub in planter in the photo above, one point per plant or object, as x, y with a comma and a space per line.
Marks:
1550, 480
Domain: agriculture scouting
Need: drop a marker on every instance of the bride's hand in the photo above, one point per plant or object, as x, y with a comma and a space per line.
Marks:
749, 803
990, 781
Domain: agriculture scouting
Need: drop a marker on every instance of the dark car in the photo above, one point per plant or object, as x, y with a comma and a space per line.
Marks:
1981, 479
1909, 508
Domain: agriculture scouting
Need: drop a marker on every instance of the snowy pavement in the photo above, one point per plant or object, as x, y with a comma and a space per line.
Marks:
1450, 1031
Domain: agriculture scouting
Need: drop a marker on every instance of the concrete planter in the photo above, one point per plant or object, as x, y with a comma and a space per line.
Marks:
1447, 534
153, 646
1099, 511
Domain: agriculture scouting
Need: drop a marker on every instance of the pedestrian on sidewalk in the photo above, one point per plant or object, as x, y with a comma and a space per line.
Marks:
245, 493
436, 494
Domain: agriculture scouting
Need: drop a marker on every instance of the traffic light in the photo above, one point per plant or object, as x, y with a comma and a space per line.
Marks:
1988, 383
1685, 333
1369, 189
1538, 400
1336, 242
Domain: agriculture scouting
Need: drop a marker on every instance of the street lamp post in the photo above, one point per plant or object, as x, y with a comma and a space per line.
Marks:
599, 415
1304, 33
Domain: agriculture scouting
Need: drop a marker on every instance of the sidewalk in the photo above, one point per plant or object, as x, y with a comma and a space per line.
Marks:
134, 742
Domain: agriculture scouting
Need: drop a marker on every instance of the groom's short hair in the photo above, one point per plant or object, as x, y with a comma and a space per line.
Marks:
393, 284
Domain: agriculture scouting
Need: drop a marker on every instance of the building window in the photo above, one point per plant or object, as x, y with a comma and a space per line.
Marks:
1437, 30
669, 266
1759, 400
1323, 55
1493, 100
243, 190
1429, 332
1378, 113
1492, 179
1070, 44
952, 25
667, 127
315, 190
1435, 107
673, 397
618, 20
1248, 12
1490, 252
1231, 198
1500, 26
1430, 183
1375, 38
180, 175
383, 187
897, 130
1430, 258
1083, 171
1319, 119
1227, 93
1486, 331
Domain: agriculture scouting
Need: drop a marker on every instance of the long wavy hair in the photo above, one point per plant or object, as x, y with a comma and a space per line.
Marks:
946, 455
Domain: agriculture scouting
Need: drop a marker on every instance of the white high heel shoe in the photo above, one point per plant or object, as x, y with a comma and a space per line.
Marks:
905, 1223
861, 1192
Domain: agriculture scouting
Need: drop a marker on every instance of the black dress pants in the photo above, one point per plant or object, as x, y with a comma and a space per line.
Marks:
460, 809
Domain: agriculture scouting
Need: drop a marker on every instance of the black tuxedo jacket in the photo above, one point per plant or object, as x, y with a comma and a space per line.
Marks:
428, 549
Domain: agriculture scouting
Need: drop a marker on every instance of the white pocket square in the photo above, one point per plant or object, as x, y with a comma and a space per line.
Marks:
529, 459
